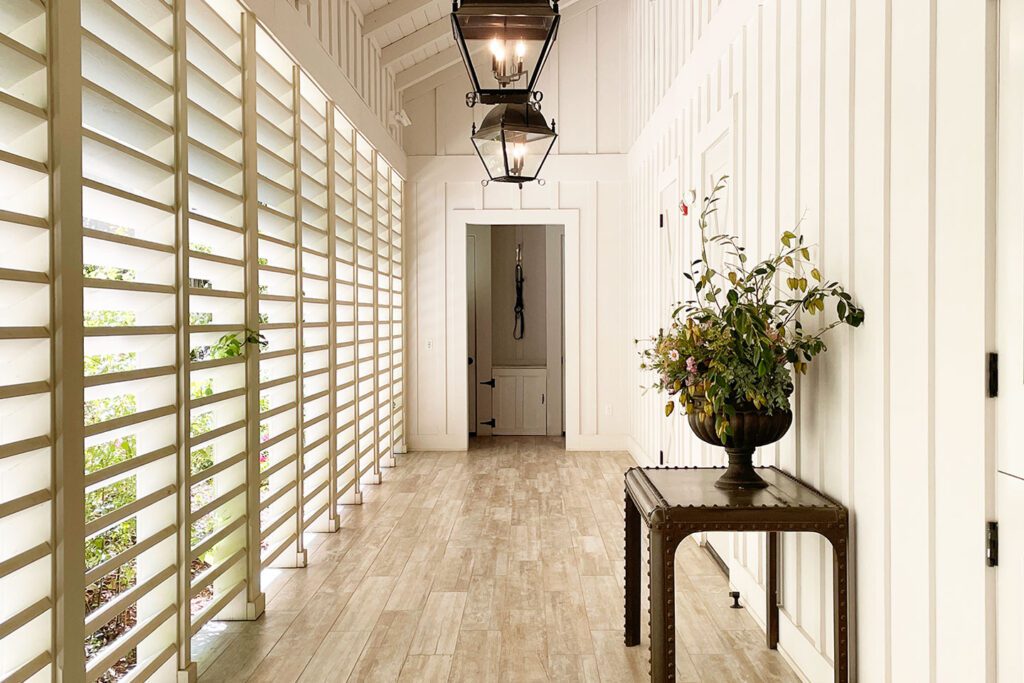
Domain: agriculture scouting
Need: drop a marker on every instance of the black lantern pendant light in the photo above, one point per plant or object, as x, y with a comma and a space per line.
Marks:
504, 44
513, 141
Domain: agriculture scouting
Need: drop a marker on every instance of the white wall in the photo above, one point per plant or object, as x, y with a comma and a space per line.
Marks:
326, 38
586, 177
872, 119
532, 348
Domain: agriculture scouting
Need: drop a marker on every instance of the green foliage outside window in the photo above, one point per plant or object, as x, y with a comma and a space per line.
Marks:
108, 273
104, 363
109, 318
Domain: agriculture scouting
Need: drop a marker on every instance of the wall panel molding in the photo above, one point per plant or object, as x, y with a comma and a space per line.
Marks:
839, 118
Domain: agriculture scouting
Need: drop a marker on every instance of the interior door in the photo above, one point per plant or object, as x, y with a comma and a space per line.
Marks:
478, 260
471, 327
1009, 476
672, 437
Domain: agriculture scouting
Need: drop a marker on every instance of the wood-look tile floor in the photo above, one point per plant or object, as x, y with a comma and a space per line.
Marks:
504, 563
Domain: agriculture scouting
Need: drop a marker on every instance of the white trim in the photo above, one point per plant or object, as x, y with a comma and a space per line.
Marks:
636, 451
457, 222
596, 168
417, 40
601, 442
391, 14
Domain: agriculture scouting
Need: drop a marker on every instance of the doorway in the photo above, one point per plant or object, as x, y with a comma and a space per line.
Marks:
515, 315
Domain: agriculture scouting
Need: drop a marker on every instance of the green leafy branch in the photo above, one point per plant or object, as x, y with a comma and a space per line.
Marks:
232, 344
730, 348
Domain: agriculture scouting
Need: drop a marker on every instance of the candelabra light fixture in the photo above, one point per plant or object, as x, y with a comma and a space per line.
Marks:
513, 142
504, 46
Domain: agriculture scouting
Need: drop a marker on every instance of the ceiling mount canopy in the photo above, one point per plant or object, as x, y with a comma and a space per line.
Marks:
513, 142
504, 45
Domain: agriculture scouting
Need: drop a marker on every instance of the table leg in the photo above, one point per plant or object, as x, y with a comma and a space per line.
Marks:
663, 607
632, 591
772, 593
840, 569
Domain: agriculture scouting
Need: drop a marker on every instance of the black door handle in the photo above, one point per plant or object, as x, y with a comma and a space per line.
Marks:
489, 383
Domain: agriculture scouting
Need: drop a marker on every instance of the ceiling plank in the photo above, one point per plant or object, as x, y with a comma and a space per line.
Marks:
438, 69
390, 14
416, 40
428, 67
440, 78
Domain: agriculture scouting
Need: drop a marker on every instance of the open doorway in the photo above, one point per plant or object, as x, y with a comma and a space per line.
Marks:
515, 315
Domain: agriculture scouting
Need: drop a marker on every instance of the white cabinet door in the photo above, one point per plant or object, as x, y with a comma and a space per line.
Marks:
506, 403
535, 412
519, 401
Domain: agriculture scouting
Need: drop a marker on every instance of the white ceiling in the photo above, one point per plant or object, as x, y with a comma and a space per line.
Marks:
415, 36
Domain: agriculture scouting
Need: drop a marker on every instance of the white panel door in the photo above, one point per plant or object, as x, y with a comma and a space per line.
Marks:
478, 283
1010, 346
474, 387
672, 434
506, 403
534, 410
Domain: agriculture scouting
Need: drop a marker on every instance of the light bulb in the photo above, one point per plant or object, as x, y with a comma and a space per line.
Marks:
498, 49
520, 49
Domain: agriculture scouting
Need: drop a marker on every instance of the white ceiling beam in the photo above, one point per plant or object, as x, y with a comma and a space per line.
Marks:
390, 14
446, 65
416, 40
428, 67
440, 78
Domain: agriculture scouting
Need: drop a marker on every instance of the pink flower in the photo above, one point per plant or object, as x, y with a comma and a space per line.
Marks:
691, 365
673, 355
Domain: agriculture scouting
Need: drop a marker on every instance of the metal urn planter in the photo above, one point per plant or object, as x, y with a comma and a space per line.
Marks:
750, 430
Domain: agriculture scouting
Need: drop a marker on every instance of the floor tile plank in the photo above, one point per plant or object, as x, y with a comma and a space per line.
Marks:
501, 564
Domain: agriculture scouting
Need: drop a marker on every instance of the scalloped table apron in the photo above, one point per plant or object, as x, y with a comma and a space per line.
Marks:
677, 502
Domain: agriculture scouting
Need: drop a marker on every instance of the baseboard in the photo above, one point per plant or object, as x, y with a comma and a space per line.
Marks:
639, 456
794, 645
716, 558
438, 442
597, 442
458, 442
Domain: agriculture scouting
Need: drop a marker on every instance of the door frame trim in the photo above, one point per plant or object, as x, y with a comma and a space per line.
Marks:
457, 222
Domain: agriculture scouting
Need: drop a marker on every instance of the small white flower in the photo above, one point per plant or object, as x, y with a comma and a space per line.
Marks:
674, 355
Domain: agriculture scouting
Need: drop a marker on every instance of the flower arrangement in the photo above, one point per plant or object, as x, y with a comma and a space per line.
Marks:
730, 348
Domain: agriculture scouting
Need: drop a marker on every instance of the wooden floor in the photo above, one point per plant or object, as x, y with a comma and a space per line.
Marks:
504, 563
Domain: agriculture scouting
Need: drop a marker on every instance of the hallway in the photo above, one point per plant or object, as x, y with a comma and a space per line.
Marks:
504, 563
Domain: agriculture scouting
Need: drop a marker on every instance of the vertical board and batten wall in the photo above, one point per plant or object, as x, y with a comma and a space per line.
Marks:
327, 38
868, 122
585, 174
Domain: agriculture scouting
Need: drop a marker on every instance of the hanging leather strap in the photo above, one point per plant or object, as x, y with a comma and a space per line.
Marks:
519, 328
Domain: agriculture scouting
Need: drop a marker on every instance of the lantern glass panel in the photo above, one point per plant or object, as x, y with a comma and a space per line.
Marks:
526, 152
506, 45
492, 154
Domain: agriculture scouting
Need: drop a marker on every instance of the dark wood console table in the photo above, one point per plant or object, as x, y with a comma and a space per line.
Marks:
677, 502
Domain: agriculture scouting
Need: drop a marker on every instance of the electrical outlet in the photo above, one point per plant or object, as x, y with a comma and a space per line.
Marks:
607, 409
430, 345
